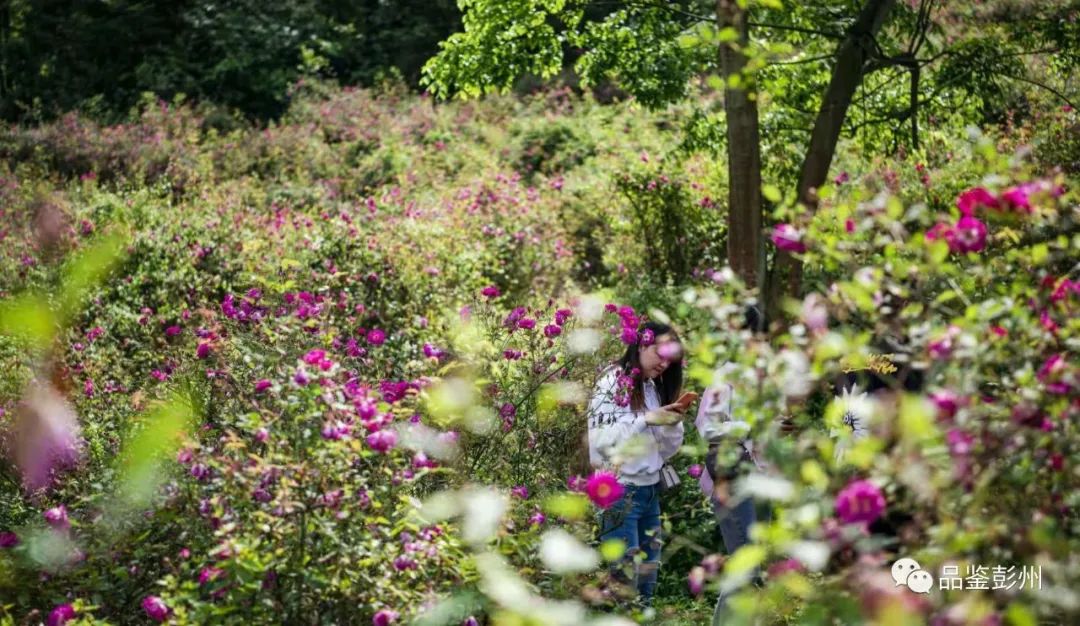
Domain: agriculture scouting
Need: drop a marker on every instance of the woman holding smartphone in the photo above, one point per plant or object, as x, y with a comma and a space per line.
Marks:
637, 398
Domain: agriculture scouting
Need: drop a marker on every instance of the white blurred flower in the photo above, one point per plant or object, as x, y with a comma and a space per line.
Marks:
590, 309
795, 379
584, 341
482, 511
813, 554
766, 487
563, 553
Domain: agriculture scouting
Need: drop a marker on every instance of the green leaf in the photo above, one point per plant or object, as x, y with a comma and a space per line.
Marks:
894, 208
1039, 253
727, 35
1020, 615
939, 251
916, 418
612, 550
745, 559
27, 317
771, 193
571, 506
163, 431
87, 269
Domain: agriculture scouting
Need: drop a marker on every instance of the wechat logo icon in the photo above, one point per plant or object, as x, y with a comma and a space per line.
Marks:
908, 572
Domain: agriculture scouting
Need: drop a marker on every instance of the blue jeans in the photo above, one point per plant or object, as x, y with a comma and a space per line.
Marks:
635, 519
735, 522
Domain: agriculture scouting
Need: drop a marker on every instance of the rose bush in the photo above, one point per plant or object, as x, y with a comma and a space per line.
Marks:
383, 334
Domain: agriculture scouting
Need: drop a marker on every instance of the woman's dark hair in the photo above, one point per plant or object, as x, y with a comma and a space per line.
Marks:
669, 385
754, 319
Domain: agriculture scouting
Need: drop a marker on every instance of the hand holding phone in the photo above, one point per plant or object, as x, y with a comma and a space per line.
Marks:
686, 399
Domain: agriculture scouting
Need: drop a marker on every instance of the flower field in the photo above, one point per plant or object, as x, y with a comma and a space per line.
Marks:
333, 370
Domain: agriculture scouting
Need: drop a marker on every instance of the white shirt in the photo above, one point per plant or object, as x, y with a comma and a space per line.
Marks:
611, 426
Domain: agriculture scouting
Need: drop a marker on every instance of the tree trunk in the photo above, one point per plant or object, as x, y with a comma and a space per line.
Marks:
744, 237
851, 58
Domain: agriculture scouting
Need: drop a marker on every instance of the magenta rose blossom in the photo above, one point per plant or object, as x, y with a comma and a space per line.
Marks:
61, 615
155, 608
576, 483
787, 238
202, 350
943, 232
382, 441
1017, 198
695, 581
491, 291
376, 337
8, 539
973, 198
552, 330
384, 617
313, 357
603, 489
57, 517
694, 471
970, 235
860, 502
947, 403
262, 385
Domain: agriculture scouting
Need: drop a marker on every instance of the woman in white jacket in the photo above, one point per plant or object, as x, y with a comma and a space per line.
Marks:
634, 428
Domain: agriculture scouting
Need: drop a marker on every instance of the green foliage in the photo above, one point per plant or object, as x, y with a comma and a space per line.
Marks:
680, 235
101, 57
248, 249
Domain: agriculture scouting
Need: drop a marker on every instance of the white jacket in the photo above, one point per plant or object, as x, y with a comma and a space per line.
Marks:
611, 425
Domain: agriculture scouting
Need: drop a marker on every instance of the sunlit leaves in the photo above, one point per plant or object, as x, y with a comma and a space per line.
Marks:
86, 270
570, 506
159, 435
29, 318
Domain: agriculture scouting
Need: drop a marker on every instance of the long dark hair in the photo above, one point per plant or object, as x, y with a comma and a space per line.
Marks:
669, 385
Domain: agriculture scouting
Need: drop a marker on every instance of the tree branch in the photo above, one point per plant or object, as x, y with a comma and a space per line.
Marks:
796, 29
1044, 86
823, 57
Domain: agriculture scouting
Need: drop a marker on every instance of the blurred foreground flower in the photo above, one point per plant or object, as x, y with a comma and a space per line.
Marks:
46, 436
787, 238
861, 501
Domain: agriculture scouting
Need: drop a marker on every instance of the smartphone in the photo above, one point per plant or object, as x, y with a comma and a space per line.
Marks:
686, 399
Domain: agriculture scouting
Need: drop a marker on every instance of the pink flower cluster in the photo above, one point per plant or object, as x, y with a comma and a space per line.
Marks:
968, 234
1018, 198
788, 238
628, 323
